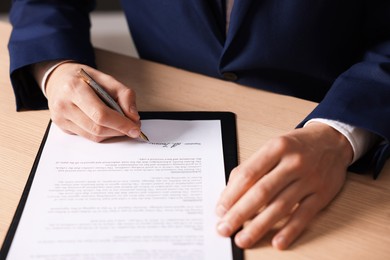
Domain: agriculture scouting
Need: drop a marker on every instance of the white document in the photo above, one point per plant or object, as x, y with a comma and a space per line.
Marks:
126, 199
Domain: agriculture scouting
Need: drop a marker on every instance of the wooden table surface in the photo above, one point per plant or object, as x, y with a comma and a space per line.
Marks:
355, 226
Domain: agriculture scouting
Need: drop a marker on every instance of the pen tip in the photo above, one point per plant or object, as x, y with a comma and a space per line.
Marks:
144, 137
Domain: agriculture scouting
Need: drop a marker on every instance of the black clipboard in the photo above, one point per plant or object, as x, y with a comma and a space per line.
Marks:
229, 143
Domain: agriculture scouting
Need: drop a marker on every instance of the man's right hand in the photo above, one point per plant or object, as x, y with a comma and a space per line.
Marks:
76, 109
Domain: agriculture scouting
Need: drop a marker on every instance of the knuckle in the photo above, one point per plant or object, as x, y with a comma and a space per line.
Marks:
281, 206
281, 143
237, 219
263, 192
70, 86
98, 116
247, 174
58, 118
73, 88
96, 139
297, 161
57, 105
128, 92
96, 130
256, 229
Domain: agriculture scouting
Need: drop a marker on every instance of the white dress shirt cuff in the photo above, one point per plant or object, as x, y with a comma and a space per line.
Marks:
360, 139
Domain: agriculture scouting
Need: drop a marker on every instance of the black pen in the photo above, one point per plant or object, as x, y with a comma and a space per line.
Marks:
105, 96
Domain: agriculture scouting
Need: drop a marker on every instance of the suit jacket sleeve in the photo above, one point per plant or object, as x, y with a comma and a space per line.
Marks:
361, 95
46, 30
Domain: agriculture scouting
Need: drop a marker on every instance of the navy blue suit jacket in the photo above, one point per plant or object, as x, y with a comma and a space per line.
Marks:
330, 51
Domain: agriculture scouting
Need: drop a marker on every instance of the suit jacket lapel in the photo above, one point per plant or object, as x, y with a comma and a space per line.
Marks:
239, 11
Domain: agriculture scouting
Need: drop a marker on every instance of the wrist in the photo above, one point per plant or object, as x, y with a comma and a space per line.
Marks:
43, 70
360, 139
334, 140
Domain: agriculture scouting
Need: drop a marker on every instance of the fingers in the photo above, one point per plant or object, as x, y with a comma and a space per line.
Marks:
102, 115
125, 96
306, 211
71, 128
245, 175
271, 212
255, 198
126, 100
291, 178
75, 107
278, 209
80, 125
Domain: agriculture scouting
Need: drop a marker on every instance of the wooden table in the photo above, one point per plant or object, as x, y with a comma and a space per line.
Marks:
355, 226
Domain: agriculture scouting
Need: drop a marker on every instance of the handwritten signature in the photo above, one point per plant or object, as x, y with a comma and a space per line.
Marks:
171, 145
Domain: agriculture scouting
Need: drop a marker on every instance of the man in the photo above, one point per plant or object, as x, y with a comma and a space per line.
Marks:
333, 52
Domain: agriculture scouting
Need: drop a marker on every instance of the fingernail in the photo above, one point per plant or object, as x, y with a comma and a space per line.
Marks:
224, 229
134, 133
279, 242
244, 240
220, 210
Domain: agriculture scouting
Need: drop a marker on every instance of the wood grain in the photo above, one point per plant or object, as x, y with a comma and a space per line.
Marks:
355, 226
